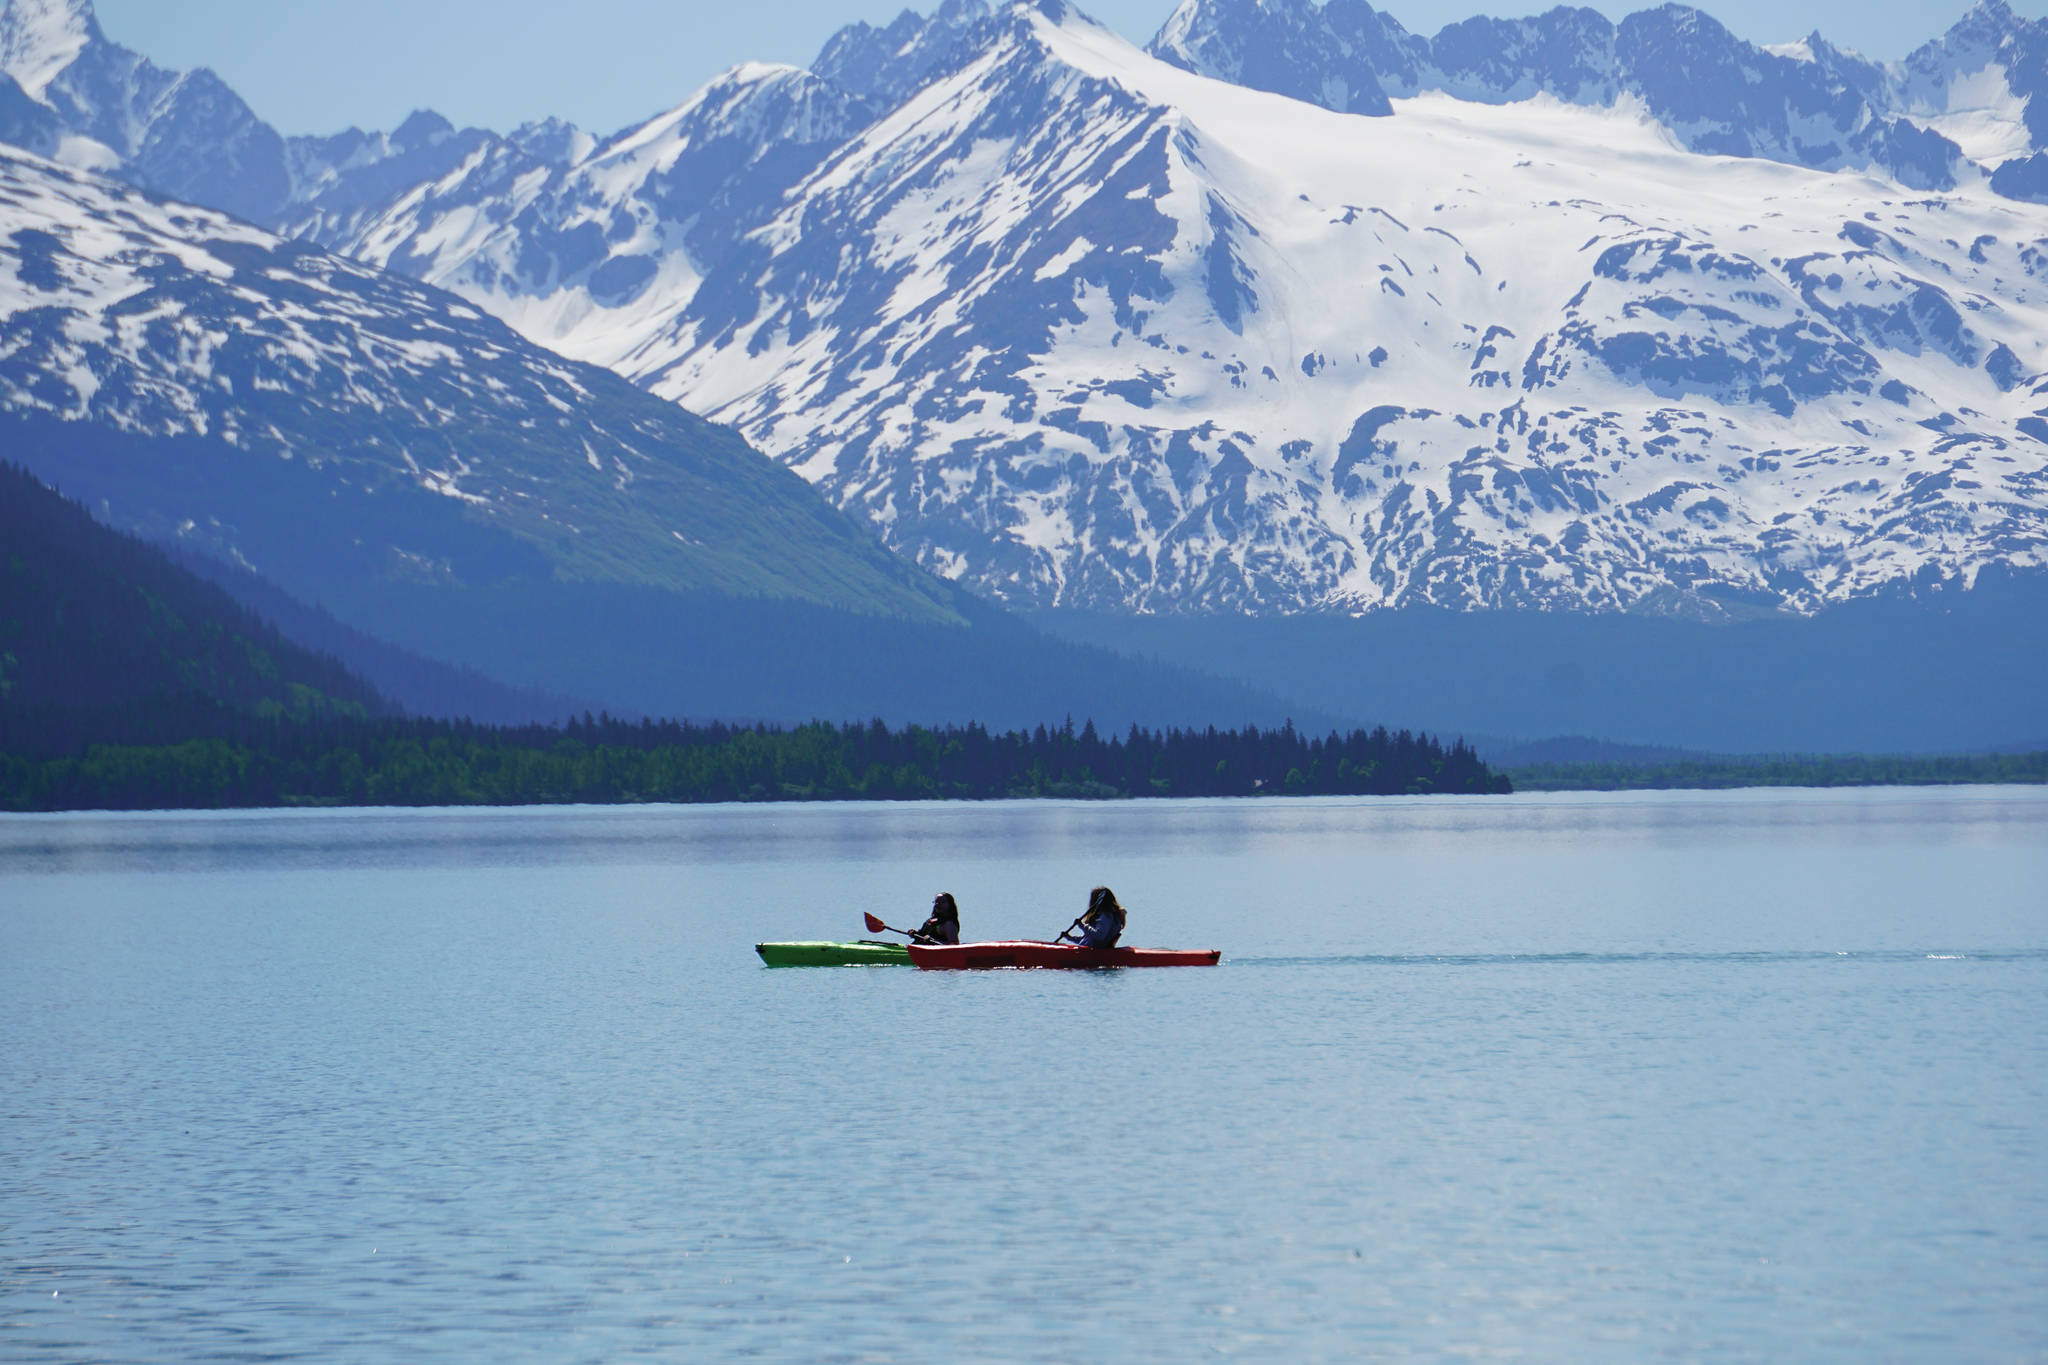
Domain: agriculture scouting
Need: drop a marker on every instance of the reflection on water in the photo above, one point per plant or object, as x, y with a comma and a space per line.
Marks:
879, 831
1741, 1075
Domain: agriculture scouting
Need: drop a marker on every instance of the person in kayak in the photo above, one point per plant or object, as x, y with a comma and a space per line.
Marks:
1103, 925
944, 924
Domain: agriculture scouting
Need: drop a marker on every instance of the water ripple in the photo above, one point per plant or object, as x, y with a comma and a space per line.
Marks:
1760, 958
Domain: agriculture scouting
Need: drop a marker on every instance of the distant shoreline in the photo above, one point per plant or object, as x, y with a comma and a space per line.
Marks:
202, 756
1791, 770
1648, 782
249, 761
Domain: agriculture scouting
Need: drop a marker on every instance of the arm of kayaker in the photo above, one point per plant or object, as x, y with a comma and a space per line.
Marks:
1102, 924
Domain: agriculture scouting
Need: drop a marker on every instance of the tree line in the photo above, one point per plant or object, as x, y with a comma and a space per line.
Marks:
210, 756
1791, 770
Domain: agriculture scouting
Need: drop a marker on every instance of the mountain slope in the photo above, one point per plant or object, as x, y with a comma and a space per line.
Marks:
419, 685
1080, 329
1579, 376
1931, 670
386, 451
91, 619
1075, 328
327, 380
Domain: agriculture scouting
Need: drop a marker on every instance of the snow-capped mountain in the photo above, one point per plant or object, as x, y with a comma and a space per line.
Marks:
1808, 104
1080, 328
888, 65
184, 134
1299, 310
1980, 84
187, 135
430, 477
1170, 342
323, 421
590, 254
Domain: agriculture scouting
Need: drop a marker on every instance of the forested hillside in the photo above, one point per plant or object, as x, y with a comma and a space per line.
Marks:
95, 624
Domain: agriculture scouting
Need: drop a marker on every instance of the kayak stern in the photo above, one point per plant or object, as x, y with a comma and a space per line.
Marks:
864, 953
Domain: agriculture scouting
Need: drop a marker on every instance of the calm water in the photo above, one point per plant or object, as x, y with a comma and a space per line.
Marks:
1735, 1076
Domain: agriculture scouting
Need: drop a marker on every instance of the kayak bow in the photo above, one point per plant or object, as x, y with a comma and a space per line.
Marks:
1033, 953
865, 953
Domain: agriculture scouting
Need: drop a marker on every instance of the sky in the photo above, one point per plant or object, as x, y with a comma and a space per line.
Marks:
317, 66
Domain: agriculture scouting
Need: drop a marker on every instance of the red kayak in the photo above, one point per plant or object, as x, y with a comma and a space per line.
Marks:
946, 957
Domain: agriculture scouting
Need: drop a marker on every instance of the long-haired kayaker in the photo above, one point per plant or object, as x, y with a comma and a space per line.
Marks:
944, 924
1103, 924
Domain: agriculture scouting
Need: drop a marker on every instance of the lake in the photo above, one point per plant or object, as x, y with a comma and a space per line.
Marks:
1733, 1076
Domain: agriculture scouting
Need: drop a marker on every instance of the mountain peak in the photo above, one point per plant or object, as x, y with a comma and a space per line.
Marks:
422, 128
1192, 20
1682, 19
889, 63
553, 139
1284, 47
1985, 20
1983, 35
39, 38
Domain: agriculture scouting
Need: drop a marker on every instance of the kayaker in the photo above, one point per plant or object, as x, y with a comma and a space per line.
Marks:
1103, 925
944, 924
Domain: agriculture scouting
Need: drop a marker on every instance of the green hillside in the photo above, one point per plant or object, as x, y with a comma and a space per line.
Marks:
92, 620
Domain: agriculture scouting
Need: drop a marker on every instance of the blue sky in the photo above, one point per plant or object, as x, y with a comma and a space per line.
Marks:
315, 66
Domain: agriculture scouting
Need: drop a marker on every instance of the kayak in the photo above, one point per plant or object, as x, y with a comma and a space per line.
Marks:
1032, 953
868, 952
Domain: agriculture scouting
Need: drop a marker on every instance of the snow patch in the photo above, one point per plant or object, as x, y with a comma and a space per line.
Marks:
1982, 116
39, 38
1065, 261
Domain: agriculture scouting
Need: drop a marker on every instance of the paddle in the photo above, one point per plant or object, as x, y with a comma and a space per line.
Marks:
876, 926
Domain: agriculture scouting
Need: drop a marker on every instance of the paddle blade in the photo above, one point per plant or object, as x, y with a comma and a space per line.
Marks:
875, 926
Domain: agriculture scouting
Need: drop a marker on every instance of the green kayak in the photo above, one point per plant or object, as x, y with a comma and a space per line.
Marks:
866, 953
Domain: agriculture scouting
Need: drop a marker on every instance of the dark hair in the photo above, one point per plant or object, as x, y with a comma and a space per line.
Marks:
943, 907
1102, 898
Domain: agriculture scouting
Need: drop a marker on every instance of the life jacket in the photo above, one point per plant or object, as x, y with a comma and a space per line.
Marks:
1102, 928
936, 930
